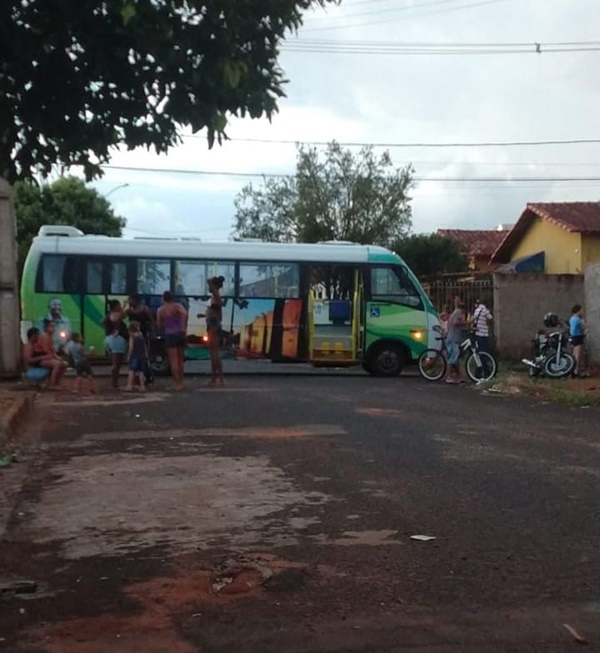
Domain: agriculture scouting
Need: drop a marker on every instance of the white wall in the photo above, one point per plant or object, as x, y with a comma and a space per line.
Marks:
592, 311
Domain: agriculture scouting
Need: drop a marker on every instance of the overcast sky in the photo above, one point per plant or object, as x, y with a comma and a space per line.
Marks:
400, 98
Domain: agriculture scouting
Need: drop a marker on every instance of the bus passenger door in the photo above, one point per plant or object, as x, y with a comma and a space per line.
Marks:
358, 316
335, 325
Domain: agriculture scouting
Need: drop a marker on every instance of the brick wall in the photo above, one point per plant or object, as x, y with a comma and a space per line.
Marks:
520, 301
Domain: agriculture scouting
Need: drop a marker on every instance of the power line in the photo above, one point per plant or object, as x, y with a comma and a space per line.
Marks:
450, 44
436, 50
278, 175
379, 12
349, 3
502, 164
390, 20
572, 141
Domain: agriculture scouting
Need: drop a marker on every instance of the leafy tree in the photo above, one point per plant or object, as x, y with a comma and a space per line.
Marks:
431, 254
67, 201
79, 77
339, 196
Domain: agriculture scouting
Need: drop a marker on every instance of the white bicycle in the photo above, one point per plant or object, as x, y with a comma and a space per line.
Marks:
479, 365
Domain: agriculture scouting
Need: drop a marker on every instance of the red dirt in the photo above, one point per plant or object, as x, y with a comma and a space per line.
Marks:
160, 600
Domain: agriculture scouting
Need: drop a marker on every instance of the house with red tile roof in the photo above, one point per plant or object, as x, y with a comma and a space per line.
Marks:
478, 244
554, 238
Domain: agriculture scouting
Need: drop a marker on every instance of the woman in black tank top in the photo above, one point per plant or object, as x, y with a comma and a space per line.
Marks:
140, 313
214, 315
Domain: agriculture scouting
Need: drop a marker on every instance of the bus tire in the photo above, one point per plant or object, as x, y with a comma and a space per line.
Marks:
367, 367
159, 364
386, 359
158, 359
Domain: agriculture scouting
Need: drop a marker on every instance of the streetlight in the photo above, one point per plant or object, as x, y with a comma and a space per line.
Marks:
112, 190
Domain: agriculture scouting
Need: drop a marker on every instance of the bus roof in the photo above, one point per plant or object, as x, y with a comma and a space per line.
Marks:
72, 243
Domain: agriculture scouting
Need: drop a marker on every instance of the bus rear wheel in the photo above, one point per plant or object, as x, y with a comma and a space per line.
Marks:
158, 359
159, 364
386, 359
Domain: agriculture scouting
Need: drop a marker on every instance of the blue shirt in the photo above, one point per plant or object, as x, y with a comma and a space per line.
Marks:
138, 348
76, 351
575, 326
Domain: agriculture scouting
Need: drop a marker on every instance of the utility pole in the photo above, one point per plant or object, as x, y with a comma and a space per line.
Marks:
10, 345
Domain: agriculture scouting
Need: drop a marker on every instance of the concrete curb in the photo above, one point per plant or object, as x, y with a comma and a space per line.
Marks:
20, 408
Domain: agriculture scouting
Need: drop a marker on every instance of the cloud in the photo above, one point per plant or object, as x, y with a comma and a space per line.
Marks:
403, 99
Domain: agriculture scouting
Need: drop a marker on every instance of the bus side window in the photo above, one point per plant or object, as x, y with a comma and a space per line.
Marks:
118, 278
58, 274
269, 280
153, 276
93, 277
395, 286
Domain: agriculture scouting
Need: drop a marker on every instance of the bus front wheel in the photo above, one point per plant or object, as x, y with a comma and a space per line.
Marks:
386, 359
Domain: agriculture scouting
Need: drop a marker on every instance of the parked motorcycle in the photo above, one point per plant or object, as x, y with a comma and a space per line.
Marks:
550, 351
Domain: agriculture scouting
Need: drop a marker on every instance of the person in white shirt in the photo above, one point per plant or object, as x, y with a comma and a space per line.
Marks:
480, 323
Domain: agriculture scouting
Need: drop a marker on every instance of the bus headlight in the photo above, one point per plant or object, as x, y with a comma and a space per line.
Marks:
418, 334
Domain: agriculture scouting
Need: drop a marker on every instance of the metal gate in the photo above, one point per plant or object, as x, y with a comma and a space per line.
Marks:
469, 287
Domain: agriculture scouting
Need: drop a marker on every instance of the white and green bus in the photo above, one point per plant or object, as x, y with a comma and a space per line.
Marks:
337, 304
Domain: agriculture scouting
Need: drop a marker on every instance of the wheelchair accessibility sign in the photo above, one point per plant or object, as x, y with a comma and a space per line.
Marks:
375, 312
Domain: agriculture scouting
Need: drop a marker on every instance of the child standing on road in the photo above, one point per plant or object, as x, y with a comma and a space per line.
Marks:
83, 369
456, 329
444, 318
138, 357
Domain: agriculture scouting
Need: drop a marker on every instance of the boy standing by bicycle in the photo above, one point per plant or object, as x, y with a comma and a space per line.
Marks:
456, 331
482, 319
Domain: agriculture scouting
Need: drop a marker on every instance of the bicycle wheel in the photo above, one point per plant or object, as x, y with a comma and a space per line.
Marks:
484, 372
432, 365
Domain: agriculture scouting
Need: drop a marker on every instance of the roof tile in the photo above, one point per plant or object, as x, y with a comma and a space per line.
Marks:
477, 242
577, 217
580, 217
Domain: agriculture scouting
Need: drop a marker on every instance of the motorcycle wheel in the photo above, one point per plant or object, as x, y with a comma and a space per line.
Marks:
558, 369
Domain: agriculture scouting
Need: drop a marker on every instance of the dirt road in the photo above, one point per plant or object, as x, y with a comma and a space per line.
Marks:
275, 515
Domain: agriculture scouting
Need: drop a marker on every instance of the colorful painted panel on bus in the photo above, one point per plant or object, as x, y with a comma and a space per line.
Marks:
252, 328
64, 310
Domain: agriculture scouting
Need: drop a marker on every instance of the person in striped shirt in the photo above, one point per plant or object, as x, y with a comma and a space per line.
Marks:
480, 323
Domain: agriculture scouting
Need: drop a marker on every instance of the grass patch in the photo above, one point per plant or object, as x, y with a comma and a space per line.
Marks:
575, 398
576, 393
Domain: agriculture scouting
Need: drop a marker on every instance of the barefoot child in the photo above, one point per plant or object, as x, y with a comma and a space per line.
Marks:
83, 369
138, 357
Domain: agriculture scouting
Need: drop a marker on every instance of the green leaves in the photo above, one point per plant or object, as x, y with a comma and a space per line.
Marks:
128, 11
233, 72
334, 195
67, 201
431, 254
79, 79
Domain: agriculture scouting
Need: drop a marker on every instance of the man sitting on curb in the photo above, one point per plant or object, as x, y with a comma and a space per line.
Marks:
39, 364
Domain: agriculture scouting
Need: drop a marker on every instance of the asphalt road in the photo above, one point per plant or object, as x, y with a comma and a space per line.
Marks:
275, 515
